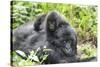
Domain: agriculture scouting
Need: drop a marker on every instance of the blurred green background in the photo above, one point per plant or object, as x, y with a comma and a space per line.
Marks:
81, 17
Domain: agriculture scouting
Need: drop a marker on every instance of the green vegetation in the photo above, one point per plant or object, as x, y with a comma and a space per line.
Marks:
86, 50
82, 17
32, 58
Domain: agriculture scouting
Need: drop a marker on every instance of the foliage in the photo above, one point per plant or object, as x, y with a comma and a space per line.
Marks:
32, 59
87, 50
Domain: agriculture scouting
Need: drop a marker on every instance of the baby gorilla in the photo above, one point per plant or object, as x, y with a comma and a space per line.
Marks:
52, 32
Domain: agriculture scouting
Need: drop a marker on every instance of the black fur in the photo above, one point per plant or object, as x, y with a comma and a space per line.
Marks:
50, 31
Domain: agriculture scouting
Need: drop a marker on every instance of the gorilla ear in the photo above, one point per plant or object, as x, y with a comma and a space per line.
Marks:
40, 19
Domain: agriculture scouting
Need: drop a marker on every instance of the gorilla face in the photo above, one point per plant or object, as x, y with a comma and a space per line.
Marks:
53, 21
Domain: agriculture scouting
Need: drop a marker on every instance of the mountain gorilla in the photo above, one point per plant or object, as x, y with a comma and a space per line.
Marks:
49, 31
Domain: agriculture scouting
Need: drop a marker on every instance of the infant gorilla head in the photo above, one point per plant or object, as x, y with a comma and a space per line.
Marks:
51, 31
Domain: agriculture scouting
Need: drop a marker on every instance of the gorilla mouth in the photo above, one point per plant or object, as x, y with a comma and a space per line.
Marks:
67, 52
51, 27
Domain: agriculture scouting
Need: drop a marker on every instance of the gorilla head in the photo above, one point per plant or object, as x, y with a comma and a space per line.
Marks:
53, 20
66, 39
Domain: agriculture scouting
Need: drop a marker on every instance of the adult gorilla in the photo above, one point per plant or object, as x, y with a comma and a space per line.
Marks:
50, 31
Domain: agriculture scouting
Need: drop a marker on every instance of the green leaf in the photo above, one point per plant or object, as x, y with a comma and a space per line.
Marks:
21, 53
34, 57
